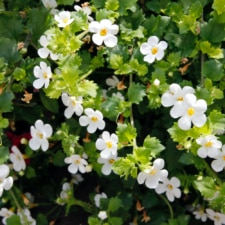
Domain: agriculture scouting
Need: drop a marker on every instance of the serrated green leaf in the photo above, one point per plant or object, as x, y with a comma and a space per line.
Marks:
217, 120
140, 69
114, 204
116, 61
50, 104
4, 154
87, 88
126, 133
124, 5
136, 92
112, 5
219, 6
213, 69
19, 74
212, 52
129, 34
6, 101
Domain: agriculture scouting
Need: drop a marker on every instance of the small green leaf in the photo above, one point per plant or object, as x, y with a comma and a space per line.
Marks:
4, 154
58, 159
42, 219
213, 70
6, 101
94, 221
125, 5
49, 103
212, 52
112, 5
136, 92
115, 220
126, 133
217, 120
114, 204
30, 172
219, 6
4, 122
14, 219
19, 74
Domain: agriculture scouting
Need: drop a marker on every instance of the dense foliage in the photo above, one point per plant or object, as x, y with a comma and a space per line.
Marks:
112, 112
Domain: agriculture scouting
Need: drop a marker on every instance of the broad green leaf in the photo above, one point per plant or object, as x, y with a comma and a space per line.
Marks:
157, 5
19, 74
13, 220
212, 52
126, 133
136, 92
112, 5
219, 6
114, 204
104, 13
217, 120
213, 70
196, 9
94, 221
4, 154
6, 101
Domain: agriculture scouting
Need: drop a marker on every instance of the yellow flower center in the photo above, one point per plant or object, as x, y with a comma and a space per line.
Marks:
154, 50
190, 111
224, 157
111, 161
153, 172
94, 118
208, 144
109, 144
73, 102
65, 20
45, 75
77, 161
103, 32
40, 135
180, 99
170, 186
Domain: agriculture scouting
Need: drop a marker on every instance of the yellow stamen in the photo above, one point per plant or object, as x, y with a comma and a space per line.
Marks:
77, 161
180, 99
208, 144
65, 20
170, 186
109, 144
103, 32
40, 135
111, 161
45, 75
153, 172
94, 119
224, 157
190, 111
154, 50
73, 102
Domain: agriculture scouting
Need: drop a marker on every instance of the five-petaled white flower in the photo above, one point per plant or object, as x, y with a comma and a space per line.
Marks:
5, 213
44, 52
105, 32
107, 144
107, 163
200, 213
92, 119
74, 105
64, 18
193, 112
209, 146
171, 187
5, 182
43, 73
25, 217
153, 49
16, 157
40, 133
76, 163
66, 188
85, 9
218, 218
219, 163
102, 215
175, 97
98, 198
151, 176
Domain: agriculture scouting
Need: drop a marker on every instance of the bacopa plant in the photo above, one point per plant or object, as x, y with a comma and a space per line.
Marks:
112, 112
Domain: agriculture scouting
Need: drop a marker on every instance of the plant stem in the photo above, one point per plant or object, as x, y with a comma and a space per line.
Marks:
169, 205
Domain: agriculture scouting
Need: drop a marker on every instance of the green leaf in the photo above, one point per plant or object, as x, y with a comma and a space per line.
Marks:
190, 159
58, 158
115, 220
114, 204
219, 6
213, 70
6, 101
153, 145
19, 74
126, 133
140, 69
30, 172
49, 103
12, 220
4, 123
87, 88
212, 52
98, 3
112, 5
65, 2
42, 219
124, 5
4, 154
94, 221
217, 120
136, 92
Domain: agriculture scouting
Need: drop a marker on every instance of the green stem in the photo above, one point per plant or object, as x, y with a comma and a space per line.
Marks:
169, 206
212, 173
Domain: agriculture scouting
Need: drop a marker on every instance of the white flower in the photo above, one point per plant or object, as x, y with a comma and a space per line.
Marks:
102, 215
63, 19
77, 178
171, 187
93, 119
112, 81
107, 144
44, 52
74, 105
65, 189
193, 112
107, 163
105, 32
43, 73
219, 163
156, 82
5, 213
40, 132
98, 198
200, 214
86, 9
76, 163
153, 175
17, 159
49, 4
175, 97
209, 146
153, 49
217, 217
5, 182
26, 217
118, 95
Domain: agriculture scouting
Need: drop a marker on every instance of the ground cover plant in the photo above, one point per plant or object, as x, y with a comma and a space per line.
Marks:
112, 112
